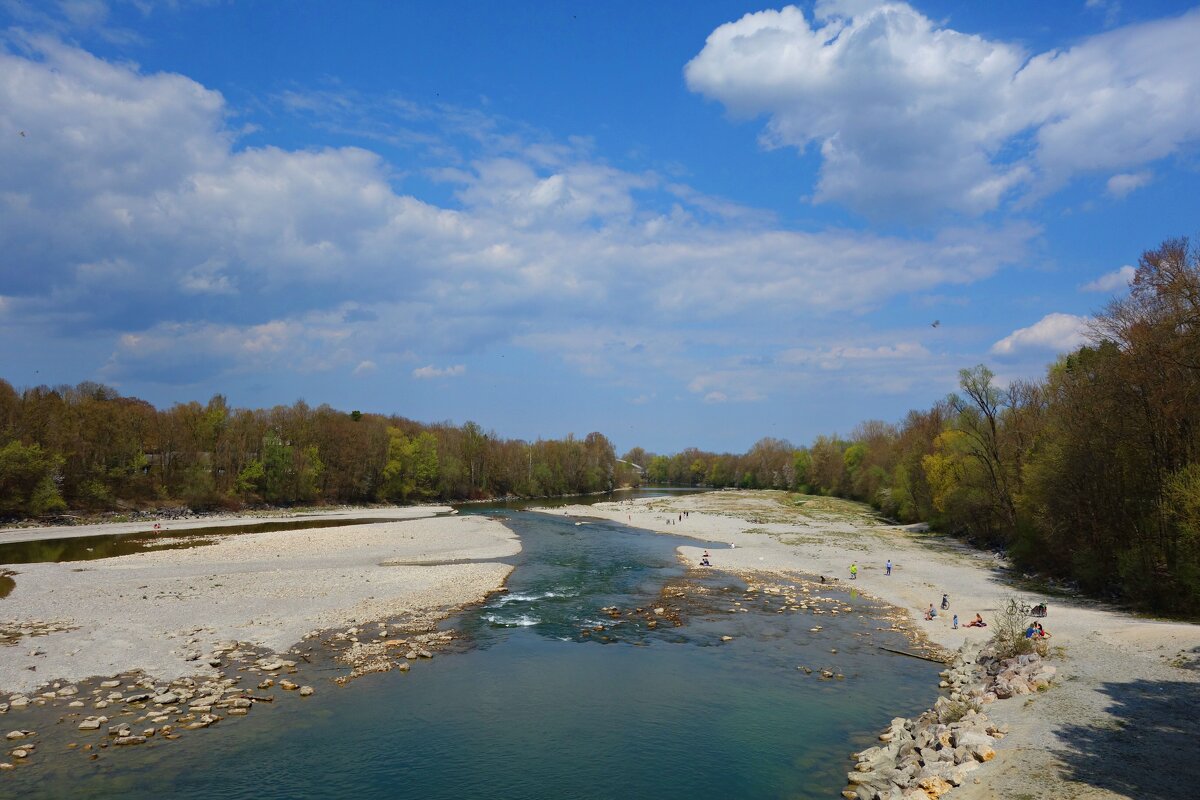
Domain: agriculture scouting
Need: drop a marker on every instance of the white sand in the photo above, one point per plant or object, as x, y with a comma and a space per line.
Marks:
140, 611
1104, 650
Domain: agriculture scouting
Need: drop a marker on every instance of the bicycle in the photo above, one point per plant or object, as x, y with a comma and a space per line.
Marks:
1017, 607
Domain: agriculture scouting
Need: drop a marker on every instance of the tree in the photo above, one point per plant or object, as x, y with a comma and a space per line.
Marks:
27, 480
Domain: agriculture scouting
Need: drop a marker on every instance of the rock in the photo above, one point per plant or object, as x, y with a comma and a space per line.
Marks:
306, 691
20, 753
6, 766
126, 740
726, 638
68, 691
139, 697
92, 723
18, 734
403, 666
166, 699
935, 787
109, 684
287, 685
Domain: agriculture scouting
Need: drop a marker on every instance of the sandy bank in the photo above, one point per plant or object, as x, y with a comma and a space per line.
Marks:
140, 611
1129, 692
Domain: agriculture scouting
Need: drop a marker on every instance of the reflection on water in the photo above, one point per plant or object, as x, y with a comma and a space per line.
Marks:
564, 689
88, 548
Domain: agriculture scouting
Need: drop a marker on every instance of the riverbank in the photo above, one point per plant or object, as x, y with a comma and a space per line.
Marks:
153, 612
1116, 721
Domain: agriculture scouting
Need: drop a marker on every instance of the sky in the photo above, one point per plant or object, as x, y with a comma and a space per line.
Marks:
678, 224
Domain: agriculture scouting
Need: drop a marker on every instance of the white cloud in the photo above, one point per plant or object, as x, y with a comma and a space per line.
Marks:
1111, 281
430, 371
135, 210
910, 116
836, 356
1057, 332
1120, 185
364, 368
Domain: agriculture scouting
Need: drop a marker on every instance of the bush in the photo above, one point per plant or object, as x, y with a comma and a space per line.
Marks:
1009, 638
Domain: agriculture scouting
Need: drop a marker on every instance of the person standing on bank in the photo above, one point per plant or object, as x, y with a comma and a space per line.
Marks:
854, 571
889, 567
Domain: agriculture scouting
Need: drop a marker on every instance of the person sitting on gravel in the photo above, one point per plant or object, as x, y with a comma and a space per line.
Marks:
977, 622
1041, 632
931, 613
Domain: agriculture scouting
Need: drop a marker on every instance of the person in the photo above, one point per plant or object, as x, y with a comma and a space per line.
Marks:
955, 625
888, 568
945, 600
931, 613
977, 622
1041, 632
1031, 631
854, 571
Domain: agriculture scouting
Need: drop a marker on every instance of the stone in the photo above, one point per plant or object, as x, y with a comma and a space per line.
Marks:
287, 685
726, 638
935, 786
130, 739
306, 691
68, 691
92, 723
109, 684
166, 699
20, 752
18, 734
403, 666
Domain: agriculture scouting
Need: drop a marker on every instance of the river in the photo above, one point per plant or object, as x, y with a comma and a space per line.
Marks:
533, 702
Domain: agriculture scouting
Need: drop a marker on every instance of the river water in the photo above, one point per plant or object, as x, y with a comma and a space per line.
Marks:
530, 706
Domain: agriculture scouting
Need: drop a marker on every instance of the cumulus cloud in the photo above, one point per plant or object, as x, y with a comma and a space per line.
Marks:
907, 115
1120, 185
1111, 281
430, 371
1056, 332
137, 216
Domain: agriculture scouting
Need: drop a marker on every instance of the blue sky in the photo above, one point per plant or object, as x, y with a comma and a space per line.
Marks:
676, 223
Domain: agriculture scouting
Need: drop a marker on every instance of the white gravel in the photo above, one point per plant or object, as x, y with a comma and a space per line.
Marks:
140, 611
1105, 655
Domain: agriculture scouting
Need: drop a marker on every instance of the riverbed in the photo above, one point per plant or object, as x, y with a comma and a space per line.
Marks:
562, 687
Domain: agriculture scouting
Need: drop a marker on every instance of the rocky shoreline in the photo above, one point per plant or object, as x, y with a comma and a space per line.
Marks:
93, 715
926, 757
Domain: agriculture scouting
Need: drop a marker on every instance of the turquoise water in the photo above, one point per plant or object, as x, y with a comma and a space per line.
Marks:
531, 707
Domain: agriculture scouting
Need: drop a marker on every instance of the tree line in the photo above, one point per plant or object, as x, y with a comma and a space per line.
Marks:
87, 448
1090, 473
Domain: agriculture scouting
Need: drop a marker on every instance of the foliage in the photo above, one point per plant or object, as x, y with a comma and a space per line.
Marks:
27, 484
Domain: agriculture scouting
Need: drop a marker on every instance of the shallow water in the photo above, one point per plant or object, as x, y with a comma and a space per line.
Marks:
90, 548
533, 707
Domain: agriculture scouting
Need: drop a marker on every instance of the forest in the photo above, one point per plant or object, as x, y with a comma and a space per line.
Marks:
1090, 474
87, 448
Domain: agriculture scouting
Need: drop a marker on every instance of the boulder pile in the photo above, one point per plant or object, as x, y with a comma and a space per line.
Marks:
926, 757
